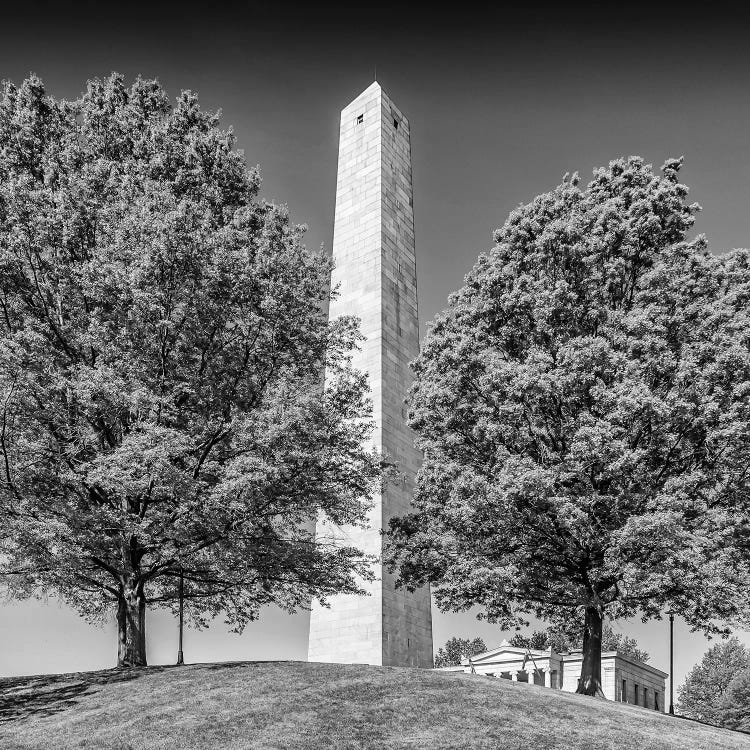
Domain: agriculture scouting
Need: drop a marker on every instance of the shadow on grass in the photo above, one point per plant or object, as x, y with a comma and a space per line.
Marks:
221, 665
708, 724
45, 695
213, 666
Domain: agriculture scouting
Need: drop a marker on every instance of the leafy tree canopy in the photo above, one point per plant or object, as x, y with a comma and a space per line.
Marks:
458, 649
735, 704
540, 640
705, 695
583, 405
163, 335
560, 642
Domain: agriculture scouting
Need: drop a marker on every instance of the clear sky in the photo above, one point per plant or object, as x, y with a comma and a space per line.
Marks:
501, 105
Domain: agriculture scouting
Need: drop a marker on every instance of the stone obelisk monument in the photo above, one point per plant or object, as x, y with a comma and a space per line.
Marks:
375, 273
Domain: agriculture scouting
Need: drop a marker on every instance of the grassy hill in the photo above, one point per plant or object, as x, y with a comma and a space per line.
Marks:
298, 705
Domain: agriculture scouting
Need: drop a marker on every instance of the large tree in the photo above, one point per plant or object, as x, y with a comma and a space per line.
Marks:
583, 405
704, 694
163, 335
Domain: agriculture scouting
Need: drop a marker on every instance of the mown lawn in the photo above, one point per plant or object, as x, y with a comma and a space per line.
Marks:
298, 705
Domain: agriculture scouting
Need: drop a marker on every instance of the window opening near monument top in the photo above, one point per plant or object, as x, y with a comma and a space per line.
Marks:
360, 119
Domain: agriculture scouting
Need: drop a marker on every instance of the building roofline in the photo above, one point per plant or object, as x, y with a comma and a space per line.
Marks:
575, 656
518, 650
616, 654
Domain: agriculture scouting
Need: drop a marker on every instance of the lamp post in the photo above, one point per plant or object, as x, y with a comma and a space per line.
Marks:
180, 658
671, 663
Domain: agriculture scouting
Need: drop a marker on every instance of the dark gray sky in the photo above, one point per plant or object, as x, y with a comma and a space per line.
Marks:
501, 105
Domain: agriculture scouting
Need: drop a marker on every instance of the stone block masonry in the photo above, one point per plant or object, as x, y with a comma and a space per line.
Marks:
376, 277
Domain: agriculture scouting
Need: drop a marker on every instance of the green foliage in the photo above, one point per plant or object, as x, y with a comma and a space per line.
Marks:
560, 642
706, 693
458, 649
583, 405
162, 340
539, 640
735, 704
620, 642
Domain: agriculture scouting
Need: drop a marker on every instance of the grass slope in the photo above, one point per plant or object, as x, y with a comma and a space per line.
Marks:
298, 705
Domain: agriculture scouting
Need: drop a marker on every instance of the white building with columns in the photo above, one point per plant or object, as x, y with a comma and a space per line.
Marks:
623, 678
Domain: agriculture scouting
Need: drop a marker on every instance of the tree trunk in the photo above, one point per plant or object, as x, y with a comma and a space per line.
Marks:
590, 682
131, 628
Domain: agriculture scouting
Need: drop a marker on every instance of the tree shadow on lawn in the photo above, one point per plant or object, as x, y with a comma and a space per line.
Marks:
45, 695
221, 666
